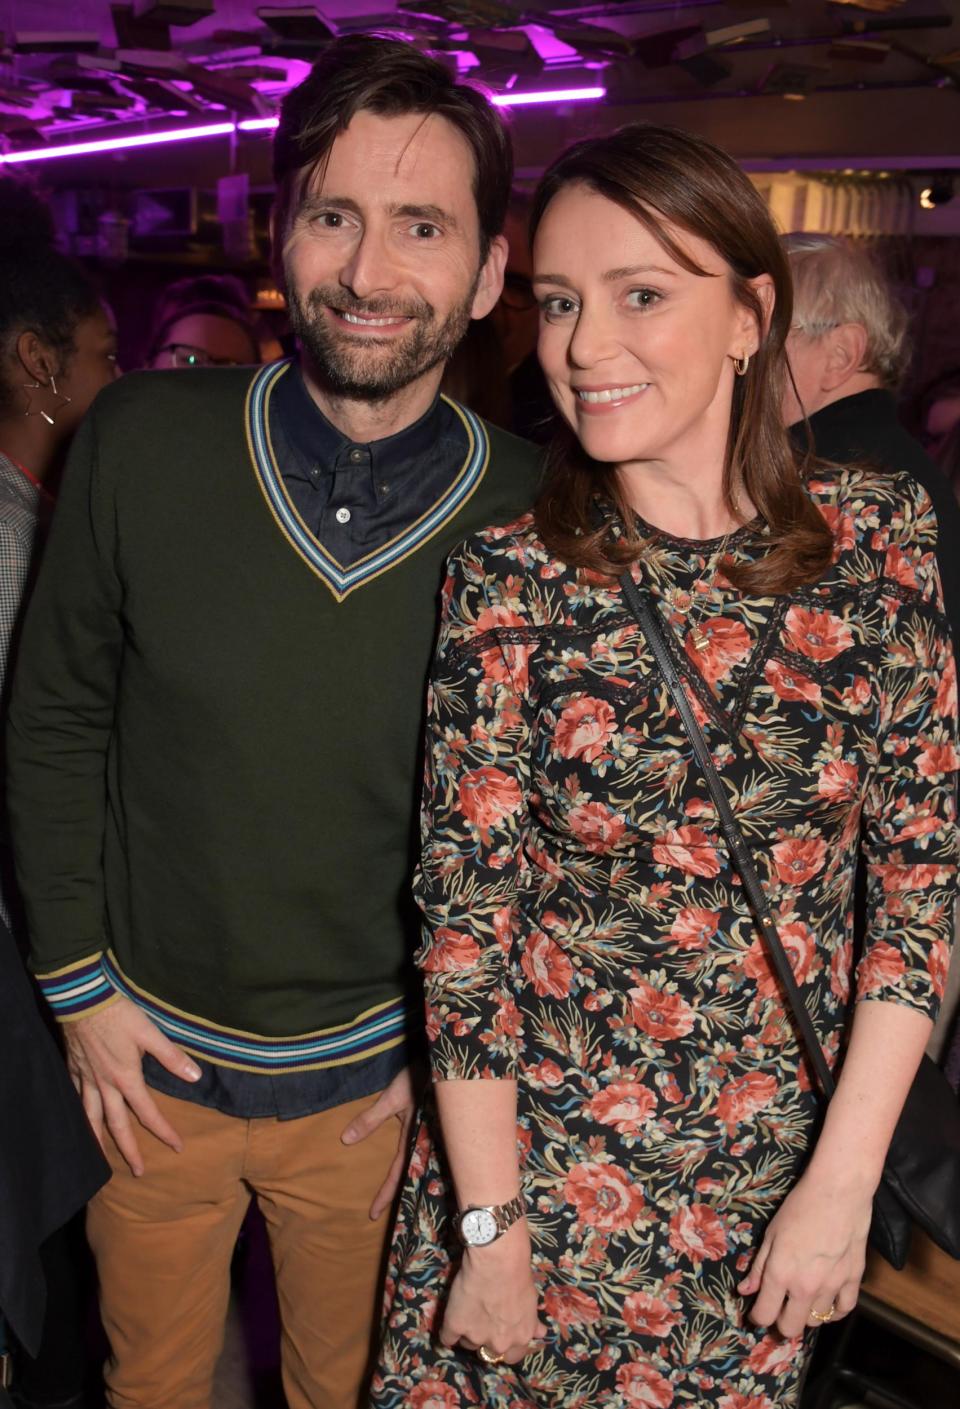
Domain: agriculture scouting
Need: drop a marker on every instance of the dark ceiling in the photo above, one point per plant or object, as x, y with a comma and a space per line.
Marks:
814, 80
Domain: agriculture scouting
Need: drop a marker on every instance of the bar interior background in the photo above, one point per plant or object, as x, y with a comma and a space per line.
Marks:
149, 122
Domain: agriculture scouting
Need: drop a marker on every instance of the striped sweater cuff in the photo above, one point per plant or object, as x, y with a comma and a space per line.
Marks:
77, 989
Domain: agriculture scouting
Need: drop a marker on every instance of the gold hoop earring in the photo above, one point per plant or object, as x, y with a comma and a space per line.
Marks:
740, 364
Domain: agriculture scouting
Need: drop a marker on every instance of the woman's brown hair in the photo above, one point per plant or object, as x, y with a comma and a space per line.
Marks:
662, 175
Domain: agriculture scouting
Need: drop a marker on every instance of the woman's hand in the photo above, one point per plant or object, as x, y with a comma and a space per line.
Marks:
493, 1299
812, 1256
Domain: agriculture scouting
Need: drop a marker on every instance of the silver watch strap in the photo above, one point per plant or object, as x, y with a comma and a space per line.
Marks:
509, 1213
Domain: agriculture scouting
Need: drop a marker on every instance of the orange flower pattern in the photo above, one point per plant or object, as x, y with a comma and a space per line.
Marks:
584, 934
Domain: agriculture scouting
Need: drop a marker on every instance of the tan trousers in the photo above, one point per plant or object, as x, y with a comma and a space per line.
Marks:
163, 1245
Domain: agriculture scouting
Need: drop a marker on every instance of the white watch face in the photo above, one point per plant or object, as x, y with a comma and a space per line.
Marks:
478, 1227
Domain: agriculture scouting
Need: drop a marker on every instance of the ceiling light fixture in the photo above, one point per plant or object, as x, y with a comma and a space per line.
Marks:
261, 124
118, 144
554, 95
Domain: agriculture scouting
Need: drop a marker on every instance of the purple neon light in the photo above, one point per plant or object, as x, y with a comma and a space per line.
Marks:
554, 95
116, 144
260, 124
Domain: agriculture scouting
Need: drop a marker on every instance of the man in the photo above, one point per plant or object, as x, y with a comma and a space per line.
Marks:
215, 737
848, 351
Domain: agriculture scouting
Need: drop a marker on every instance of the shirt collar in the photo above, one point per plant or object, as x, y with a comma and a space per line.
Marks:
316, 442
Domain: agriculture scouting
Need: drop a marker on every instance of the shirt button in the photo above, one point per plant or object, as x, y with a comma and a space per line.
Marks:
356, 456
343, 516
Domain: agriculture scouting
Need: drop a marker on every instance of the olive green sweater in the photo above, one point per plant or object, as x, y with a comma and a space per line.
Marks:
214, 740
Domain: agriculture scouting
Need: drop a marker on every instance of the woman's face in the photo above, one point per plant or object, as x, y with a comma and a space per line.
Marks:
91, 366
638, 351
204, 340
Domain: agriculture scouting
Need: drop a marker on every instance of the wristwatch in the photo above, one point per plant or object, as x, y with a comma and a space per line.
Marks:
480, 1226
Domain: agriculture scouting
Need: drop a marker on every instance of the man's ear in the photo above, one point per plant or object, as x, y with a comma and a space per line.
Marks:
847, 350
490, 283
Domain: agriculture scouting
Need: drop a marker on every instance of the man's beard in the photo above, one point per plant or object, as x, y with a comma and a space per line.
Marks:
349, 366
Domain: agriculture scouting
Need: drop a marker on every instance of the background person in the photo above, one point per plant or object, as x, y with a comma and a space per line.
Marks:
848, 352
57, 351
627, 1116
215, 738
58, 348
940, 411
203, 322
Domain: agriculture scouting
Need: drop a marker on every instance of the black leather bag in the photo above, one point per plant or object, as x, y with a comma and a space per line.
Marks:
921, 1175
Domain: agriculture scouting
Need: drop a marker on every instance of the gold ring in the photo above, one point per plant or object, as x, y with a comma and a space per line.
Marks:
488, 1357
824, 1315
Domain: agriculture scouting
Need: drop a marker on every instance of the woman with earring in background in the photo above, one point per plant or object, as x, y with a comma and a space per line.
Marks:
57, 350
629, 1142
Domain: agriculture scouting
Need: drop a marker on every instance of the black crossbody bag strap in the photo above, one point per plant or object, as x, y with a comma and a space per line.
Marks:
653, 629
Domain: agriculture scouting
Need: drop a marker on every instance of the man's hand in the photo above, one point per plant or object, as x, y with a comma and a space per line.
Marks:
396, 1099
104, 1055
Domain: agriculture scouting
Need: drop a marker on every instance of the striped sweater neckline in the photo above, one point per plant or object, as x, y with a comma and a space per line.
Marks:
340, 580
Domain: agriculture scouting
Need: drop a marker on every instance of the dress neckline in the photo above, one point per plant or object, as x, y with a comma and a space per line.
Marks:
701, 545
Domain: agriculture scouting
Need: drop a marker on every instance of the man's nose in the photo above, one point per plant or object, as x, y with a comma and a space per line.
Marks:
371, 268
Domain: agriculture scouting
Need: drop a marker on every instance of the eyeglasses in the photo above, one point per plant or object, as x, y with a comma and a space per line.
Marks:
183, 354
518, 293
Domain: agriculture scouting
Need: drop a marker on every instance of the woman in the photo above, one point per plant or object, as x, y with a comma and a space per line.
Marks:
608, 1040
57, 350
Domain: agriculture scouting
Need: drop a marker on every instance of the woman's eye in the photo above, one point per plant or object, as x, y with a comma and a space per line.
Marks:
558, 306
643, 298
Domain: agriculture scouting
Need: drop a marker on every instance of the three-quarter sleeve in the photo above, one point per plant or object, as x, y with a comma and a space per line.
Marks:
910, 833
477, 771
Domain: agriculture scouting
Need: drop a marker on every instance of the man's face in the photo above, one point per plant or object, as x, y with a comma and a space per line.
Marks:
808, 361
382, 256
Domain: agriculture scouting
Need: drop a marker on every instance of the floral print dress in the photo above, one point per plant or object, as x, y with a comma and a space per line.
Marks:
586, 936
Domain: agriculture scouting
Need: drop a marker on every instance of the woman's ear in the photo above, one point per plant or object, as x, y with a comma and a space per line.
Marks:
766, 294
35, 358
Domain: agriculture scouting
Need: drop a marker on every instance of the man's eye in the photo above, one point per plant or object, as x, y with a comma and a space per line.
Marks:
329, 219
425, 231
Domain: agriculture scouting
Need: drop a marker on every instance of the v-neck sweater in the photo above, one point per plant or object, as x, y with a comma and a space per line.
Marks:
215, 735
355, 496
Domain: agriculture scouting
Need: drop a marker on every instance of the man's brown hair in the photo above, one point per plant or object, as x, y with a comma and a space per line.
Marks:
365, 73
